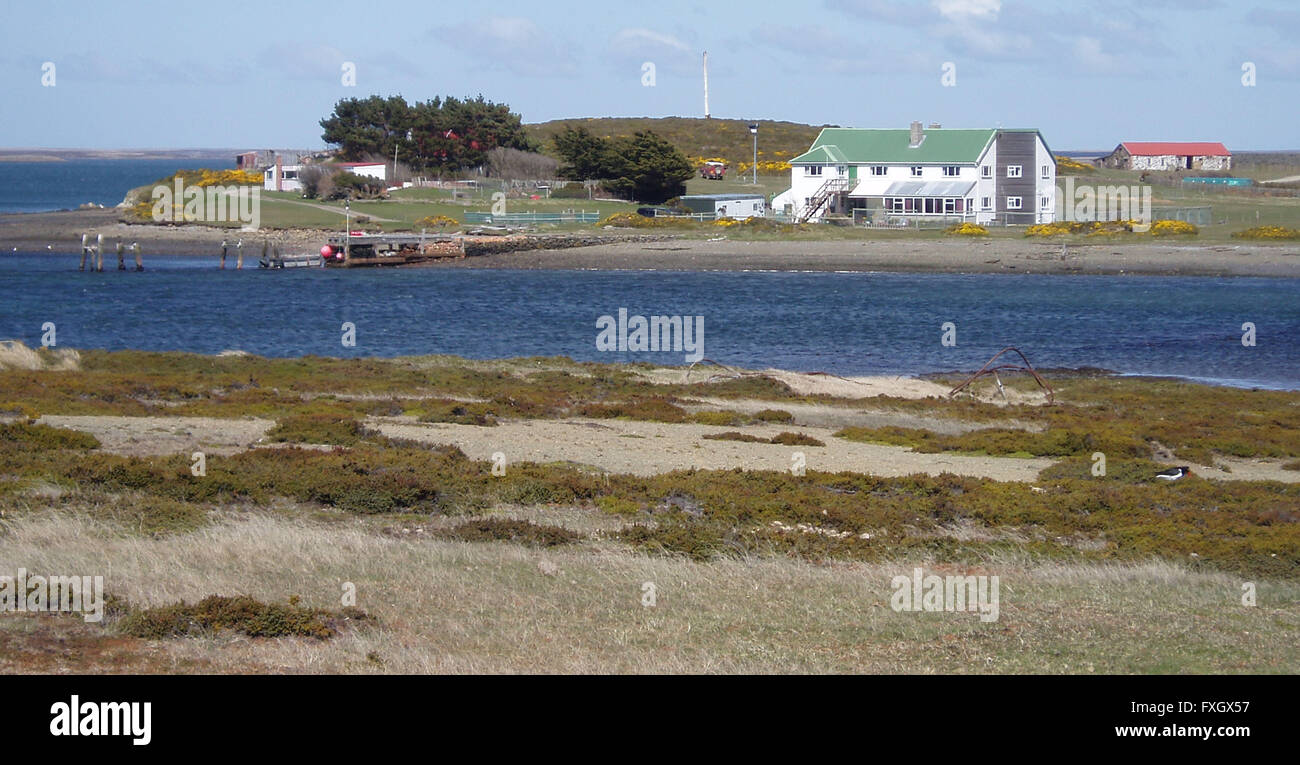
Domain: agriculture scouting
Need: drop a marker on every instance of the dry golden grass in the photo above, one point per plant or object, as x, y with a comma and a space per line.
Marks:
497, 607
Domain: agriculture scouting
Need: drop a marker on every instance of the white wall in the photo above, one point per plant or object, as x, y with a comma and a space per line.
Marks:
287, 184
379, 171
1046, 187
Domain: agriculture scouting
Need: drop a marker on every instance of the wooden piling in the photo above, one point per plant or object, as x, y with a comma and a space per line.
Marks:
99, 252
85, 250
139, 256
223, 253
239, 254
121, 257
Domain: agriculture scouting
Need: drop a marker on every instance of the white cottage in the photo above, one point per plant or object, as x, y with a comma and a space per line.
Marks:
983, 176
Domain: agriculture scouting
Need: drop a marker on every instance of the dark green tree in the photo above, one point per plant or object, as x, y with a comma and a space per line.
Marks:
439, 134
585, 156
363, 128
644, 167
652, 169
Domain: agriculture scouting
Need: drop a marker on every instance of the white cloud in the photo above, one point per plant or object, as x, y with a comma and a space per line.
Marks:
637, 37
961, 10
512, 43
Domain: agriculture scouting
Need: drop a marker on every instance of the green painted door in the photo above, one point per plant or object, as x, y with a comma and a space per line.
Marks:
853, 172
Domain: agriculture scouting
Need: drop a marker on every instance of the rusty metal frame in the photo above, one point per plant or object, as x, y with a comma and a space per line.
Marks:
989, 368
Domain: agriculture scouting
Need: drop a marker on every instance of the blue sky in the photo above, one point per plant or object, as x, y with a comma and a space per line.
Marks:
260, 75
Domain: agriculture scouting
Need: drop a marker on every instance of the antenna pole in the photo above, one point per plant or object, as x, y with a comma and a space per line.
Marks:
706, 84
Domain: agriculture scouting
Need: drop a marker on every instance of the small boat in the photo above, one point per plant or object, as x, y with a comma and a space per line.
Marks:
311, 260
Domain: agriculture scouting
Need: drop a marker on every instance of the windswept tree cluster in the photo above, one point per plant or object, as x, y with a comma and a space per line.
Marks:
643, 167
440, 135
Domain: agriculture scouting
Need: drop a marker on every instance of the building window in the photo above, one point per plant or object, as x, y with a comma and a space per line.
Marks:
1013, 171
951, 171
813, 170
1047, 171
877, 169
950, 206
1013, 203
1046, 203
986, 171
986, 203
916, 171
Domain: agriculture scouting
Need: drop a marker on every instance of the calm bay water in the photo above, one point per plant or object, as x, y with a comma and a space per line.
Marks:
44, 186
844, 323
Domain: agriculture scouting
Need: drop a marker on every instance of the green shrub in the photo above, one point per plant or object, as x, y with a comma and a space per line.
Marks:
716, 418
318, 429
795, 439
45, 438
773, 415
511, 530
733, 435
241, 614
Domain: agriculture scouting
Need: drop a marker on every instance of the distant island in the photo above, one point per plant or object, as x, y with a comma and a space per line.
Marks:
27, 154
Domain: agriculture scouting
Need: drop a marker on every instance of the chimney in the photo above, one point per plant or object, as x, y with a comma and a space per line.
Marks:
917, 136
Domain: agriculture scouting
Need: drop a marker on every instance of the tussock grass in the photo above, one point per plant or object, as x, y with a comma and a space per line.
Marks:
445, 606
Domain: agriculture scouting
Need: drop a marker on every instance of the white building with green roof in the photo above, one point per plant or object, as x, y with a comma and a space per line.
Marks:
894, 176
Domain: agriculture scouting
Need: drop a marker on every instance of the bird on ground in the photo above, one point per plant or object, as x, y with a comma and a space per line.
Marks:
1173, 474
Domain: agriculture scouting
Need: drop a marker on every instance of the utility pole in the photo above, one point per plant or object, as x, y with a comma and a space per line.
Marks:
706, 84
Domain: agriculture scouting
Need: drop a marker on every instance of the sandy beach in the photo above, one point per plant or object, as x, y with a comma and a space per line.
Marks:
61, 232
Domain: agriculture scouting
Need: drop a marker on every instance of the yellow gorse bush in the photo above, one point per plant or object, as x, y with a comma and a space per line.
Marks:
1267, 232
966, 229
222, 178
436, 221
1173, 228
1087, 228
1065, 164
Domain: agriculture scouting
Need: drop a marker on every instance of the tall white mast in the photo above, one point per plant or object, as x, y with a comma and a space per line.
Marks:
706, 84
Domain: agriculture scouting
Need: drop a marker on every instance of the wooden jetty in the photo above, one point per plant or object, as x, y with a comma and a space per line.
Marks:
95, 254
378, 250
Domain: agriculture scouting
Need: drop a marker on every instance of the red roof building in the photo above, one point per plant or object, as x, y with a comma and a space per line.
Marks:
1170, 155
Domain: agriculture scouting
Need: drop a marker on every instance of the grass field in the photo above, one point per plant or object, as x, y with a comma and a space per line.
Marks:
556, 565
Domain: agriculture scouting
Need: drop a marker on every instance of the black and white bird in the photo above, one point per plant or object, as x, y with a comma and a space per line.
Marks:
1173, 474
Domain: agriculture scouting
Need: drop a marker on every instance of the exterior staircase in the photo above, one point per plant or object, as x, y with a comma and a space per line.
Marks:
818, 200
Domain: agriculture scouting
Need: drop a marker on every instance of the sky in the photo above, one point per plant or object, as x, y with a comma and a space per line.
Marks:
249, 75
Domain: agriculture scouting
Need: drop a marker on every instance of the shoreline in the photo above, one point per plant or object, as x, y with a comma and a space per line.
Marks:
60, 232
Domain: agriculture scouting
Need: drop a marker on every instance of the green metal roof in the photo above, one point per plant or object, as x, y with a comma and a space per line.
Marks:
822, 154
863, 145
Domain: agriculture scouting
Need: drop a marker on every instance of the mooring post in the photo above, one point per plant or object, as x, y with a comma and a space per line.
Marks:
239, 254
223, 253
139, 256
121, 257
85, 249
99, 252
265, 263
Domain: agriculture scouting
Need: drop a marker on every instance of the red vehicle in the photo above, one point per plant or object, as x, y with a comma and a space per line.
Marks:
713, 171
